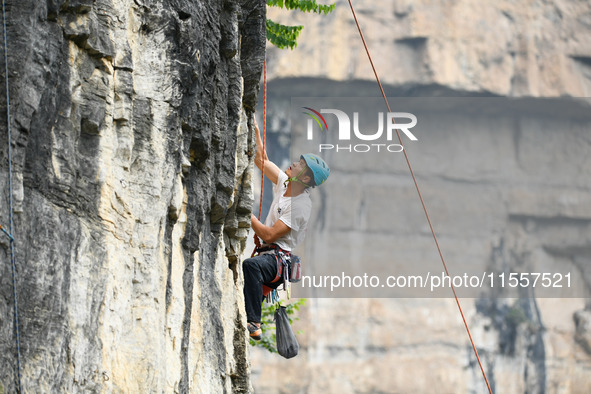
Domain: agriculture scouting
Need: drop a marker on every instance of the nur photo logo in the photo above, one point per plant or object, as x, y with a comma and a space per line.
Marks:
348, 132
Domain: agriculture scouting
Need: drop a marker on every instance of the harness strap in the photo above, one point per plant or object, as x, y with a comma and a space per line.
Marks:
276, 249
279, 268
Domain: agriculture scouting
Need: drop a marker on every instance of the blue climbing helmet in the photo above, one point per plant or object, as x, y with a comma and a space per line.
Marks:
318, 166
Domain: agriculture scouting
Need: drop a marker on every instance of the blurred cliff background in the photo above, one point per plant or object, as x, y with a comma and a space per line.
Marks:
505, 190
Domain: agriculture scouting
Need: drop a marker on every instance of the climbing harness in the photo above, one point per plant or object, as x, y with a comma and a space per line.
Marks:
10, 231
422, 201
283, 259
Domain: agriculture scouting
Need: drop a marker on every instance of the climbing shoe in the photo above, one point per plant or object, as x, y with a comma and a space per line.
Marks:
254, 331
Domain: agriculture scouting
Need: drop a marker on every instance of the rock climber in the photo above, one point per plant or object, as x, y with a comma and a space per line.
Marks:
284, 227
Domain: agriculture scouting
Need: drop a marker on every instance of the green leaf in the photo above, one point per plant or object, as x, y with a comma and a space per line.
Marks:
283, 36
302, 5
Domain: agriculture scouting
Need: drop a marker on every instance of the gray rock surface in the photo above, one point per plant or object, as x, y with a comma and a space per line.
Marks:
132, 165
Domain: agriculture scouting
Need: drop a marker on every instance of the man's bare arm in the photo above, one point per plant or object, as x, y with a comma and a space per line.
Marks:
266, 233
271, 170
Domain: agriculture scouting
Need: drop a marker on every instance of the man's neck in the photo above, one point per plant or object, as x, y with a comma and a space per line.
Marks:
294, 189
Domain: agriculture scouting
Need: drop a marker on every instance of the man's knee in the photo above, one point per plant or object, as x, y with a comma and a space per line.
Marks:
249, 264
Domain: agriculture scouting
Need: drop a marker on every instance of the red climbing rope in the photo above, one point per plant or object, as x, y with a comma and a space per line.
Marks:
264, 133
422, 202
256, 238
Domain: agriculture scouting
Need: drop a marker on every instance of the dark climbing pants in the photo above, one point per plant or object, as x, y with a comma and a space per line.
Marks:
258, 270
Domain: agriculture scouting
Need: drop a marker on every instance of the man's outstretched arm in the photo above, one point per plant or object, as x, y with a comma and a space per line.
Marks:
266, 233
271, 169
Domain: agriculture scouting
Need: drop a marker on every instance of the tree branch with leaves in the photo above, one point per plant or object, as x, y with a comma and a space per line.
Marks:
283, 36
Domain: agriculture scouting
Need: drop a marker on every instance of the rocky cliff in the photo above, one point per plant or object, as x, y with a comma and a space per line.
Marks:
131, 160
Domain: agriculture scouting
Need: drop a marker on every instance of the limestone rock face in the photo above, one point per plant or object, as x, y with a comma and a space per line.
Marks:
132, 195
536, 48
